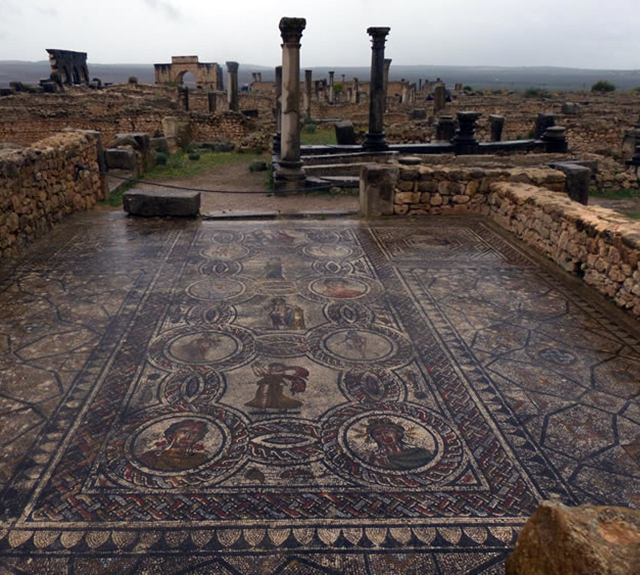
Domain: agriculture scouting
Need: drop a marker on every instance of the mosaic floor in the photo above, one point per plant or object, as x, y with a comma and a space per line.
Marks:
299, 398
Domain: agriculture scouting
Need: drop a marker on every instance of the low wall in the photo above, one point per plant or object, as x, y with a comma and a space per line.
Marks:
593, 242
39, 186
440, 189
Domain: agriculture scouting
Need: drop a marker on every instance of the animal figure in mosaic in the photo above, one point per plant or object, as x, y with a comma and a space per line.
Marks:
180, 448
273, 380
393, 452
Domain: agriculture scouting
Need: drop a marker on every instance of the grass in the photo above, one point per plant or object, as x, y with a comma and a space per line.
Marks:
633, 215
318, 137
615, 194
179, 166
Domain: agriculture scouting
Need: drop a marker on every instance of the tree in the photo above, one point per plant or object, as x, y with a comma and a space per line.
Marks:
603, 86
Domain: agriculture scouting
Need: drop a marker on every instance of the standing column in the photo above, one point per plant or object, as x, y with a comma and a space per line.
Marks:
331, 73
232, 86
212, 100
290, 173
375, 137
278, 111
355, 94
387, 65
307, 93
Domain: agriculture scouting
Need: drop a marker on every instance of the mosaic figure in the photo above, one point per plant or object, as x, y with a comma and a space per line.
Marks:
284, 315
200, 348
180, 448
356, 342
342, 288
393, 451
273, 379
273, 269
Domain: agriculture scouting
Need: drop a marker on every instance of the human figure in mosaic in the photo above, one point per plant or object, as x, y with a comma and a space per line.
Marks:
341, 288
284, 315
393, 451
180, 448
356, 342
273, 269
273, 380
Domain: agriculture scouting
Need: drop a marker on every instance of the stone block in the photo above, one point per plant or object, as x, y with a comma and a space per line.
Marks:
418, 114
577, 180
377, 189
159, 145
161, 203
121, 159
345, 133
585, 539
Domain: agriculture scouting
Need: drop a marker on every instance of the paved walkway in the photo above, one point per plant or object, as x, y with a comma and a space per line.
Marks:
299, 397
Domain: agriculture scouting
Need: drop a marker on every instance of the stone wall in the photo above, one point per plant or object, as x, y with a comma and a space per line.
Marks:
39, 185
443, 190
593, 242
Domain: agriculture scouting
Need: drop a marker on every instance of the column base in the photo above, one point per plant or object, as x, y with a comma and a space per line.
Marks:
375, 142
289, 177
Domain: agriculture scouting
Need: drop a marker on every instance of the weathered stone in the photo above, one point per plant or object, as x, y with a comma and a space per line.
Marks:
161, 203
345, 133
121, 159
591, 540
377, 187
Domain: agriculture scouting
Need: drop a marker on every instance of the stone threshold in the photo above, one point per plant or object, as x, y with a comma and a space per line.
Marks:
277, 215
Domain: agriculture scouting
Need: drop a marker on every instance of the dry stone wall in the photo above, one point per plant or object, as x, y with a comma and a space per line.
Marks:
593, 242
39, 186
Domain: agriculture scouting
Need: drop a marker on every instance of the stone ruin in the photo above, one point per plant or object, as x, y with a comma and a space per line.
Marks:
208, 75
68, 68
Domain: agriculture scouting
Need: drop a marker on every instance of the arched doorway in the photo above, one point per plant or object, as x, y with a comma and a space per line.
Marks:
189, 80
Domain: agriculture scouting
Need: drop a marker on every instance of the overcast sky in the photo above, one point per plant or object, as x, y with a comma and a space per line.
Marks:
572, 33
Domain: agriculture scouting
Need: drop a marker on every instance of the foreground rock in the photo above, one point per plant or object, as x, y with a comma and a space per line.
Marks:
161, 203
589, 540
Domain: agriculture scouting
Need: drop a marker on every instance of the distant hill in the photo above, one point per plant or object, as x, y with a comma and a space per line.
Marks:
551, 78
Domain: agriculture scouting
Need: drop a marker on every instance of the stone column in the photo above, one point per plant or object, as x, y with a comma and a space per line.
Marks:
290, 173
232, 86
212, 99
387, 65
331, 73
375, 140
259, 76
183, 96
355, 93
555, 138
465, 142
278, 111
544, 121
307, 93
412, 93
404, 98
496, 122
343, 78
439, 98
445, 128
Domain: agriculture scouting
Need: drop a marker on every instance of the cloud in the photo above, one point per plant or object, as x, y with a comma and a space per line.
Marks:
167, 8
47, 11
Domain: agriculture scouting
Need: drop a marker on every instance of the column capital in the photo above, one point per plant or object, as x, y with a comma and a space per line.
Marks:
232, 67
291, 29
378, 36
387, 63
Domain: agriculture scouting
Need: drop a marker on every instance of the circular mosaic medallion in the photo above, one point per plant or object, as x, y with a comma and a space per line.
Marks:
225, 252
196, 347
169, 450
285, 441
372, 386
398, 444
215, 289
357, 346
328, 251
339, 288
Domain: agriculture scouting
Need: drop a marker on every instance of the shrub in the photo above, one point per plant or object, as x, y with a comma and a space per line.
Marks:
603, 86
467, 89
338, 88
535, 93
161, 158
194, 156
133, 80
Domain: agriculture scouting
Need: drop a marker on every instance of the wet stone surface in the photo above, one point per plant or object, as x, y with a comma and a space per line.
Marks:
237, 397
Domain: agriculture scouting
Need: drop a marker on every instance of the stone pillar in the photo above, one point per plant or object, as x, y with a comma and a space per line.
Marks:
544, 121
439, 98
464, 141
259, 76
278, 111
445, 128
404, 98
375, 140
331, 94
387, 65
307, 93
232, 86
355, 93
496, 123
556, 139
290, 174
412, 93
343, 78
183, 97
377, 189
419, 85
212, 100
